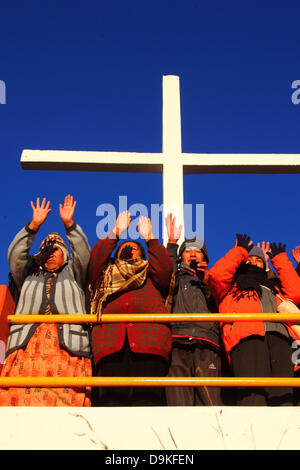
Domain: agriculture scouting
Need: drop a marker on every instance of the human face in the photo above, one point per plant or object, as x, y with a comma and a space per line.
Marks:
255, 261
192, 253
55, 260
135, 250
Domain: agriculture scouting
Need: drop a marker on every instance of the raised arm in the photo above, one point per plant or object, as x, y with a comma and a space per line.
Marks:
18, 251
290, 281
80, 249
174, 233
296, 256
221, 275
80, 253
66, 211
160, 263
105, 246
40, 213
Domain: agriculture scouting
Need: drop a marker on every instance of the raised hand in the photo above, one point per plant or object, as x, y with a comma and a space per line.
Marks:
173, 231
244, 241
39, 213
296, 254
276, 248
122, 223
66, 211
145, 228
265, 246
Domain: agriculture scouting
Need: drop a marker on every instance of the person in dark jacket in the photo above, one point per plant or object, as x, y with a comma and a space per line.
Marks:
196, 345
296, 343
296, 256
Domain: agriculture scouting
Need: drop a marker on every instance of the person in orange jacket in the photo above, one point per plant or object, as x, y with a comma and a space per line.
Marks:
296, 343
240, 283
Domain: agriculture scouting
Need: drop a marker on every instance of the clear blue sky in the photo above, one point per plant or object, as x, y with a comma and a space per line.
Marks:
88, 76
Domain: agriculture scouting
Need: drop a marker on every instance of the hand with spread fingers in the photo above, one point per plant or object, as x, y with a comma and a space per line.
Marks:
275, 249
265, 246
244, 241
122, 223
173, 231
39, 213
296, 254
145, 228
66, 211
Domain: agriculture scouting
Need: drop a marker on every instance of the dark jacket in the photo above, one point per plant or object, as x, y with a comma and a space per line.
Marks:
191, 296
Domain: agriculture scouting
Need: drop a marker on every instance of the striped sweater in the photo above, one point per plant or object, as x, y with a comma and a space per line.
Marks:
67, 293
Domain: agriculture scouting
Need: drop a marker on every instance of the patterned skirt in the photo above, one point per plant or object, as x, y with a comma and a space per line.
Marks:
43, 357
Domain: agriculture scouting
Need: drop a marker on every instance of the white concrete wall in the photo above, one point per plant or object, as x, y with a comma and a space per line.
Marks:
159, 428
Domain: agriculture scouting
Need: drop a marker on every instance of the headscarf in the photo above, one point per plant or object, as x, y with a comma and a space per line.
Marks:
53, 240
119, 276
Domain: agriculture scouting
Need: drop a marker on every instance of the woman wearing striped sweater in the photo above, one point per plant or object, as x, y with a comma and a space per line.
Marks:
50, 282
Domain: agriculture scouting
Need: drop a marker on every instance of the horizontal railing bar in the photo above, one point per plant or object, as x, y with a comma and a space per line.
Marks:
149, 381
158, 317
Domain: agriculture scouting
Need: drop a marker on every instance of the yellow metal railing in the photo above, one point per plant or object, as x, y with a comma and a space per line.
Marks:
151, 381
155, 317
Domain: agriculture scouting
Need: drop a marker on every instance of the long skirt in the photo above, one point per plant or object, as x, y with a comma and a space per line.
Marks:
43, 357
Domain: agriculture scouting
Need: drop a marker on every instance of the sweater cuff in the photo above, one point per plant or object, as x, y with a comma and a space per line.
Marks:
152, 242
29, 230
111, 236
172, 249
69, 229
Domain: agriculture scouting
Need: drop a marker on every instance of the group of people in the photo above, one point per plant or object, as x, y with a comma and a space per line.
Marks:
119, 277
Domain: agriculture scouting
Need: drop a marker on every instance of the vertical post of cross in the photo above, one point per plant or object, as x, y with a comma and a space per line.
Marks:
173, 197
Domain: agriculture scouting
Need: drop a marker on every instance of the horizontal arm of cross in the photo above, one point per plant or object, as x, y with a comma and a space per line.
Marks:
240, 163
92, 161
153, 162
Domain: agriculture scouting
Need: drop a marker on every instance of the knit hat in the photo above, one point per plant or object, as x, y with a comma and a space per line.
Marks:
258, 252
53, 240
194, 243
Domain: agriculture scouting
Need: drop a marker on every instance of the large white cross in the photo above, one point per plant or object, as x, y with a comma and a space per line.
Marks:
172, 163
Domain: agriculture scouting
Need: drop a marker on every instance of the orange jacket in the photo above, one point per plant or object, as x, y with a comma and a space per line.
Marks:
221, 281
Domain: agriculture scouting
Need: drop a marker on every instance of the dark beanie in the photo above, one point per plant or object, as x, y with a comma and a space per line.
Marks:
197, 243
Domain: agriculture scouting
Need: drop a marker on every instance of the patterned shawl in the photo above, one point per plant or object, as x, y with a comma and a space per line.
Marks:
119, 276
